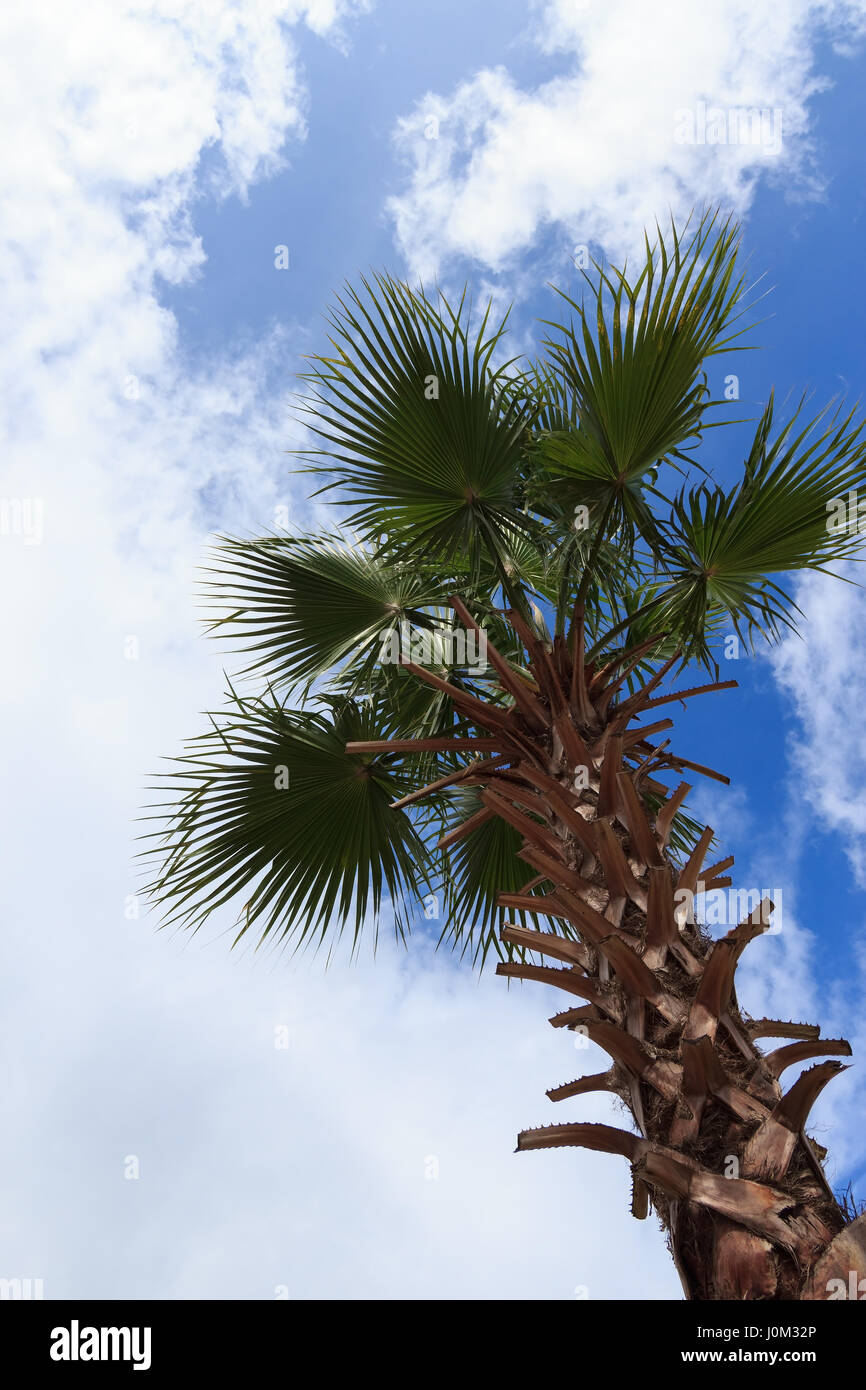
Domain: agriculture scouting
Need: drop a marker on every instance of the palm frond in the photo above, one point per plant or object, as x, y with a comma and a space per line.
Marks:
301, 606
625, 386
422, 433
269, 810
728, 544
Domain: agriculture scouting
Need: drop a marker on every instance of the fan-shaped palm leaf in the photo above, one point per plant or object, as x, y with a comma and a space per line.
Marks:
627, 389
301, 606
422, 431
727, 544
269, 804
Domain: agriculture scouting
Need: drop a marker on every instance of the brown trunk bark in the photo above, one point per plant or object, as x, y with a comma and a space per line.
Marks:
719, 1147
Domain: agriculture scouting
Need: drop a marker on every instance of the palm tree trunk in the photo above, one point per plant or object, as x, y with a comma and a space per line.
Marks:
719, 1148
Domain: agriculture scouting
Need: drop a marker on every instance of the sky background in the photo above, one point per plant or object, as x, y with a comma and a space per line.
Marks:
155, 156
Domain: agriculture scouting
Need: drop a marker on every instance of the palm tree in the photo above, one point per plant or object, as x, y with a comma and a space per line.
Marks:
448, 684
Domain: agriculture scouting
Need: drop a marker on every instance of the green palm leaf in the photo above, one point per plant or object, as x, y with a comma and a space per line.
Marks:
728, 544
302, 606
269, 805
627, 387
423, 432
475, 871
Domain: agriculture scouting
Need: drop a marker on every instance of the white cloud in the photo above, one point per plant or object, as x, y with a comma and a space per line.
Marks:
133, 454
842, 1104
373, 1157
598, 150
822, 675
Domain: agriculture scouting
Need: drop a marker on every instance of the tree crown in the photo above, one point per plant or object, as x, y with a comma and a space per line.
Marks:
540, 493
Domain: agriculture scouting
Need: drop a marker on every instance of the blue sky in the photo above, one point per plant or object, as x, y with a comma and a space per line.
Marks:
162, 153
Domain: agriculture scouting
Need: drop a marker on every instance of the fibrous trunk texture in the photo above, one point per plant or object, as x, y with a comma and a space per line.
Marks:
718, 1148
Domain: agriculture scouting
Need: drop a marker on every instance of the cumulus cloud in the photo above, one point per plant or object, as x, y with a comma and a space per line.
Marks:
121, 451
642, 118
821, 674
788, 973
